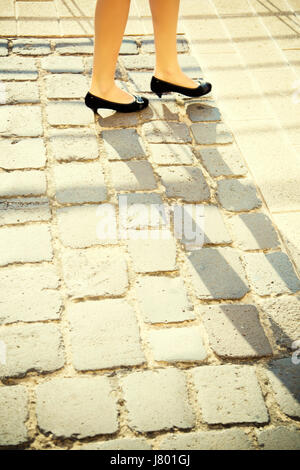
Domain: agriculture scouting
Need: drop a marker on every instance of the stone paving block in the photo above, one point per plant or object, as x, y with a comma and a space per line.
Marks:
177, 344
184, 182
203, 112
276, 274
113, 119
132, 176
159, 109
22, 183
171, 154
27, 93
67, 85
73, 113
163, 299
254, 231
73, 144
95, 271
140, 80
22, 153
123, 144
288, 224
104, 334
157, 400
235, 331
140, 210
13, 415
279, 438
18, 211
148, 45
79, 182
284, 378
152, 255
29, 293
3, 47
229, 394
81, 407
77, 27
223, 161
283, 314
166, 132
18, 68
217, 273
58, 64
211, 133
35, 347
225, 439
31, 46
138, 61
75, 46
79, 226
27, 244
128, 46
117, 444
238, 195
23, 121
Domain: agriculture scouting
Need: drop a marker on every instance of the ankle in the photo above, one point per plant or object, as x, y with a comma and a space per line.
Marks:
165, 73
102, 89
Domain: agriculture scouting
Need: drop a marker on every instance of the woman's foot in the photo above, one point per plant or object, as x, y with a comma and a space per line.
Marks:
177, 78
114, 94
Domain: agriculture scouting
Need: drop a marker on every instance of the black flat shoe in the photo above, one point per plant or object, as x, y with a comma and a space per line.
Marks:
94, 103
159, 87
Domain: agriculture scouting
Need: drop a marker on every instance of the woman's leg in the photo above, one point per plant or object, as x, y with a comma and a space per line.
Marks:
165, 19
110, 23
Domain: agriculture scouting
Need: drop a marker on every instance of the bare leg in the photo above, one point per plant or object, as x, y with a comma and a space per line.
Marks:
165, 18
110, 23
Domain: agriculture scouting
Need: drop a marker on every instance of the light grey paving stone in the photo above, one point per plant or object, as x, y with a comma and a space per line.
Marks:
211, 133
235, 331
237, 195
13, 415
93, 229
17, 211
163, 299
81, 407
288, 224
283, 314
184, 182
203, 112
128, 46
22, 183
25, 92
271, 273
58, 64
3, 47
279, 438
25, 244
111, 119
37, 347
159, 109
95, 271
22, 153
223, 160
139, 210
67, 85
104, 334
132, 176
117, 444
29, 293
254, 231
123, 144
229, 394
73, 144
69, 113
75, 46
18, 68
140, 80
79, 182
284, 378
151, 255
171, 154
177, 344
30, 46
166, 132
217, 273
157, 400
138, 61
225, 439
19, 120
148, 45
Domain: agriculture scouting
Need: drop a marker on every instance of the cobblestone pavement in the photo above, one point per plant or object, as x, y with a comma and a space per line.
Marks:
134, 344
